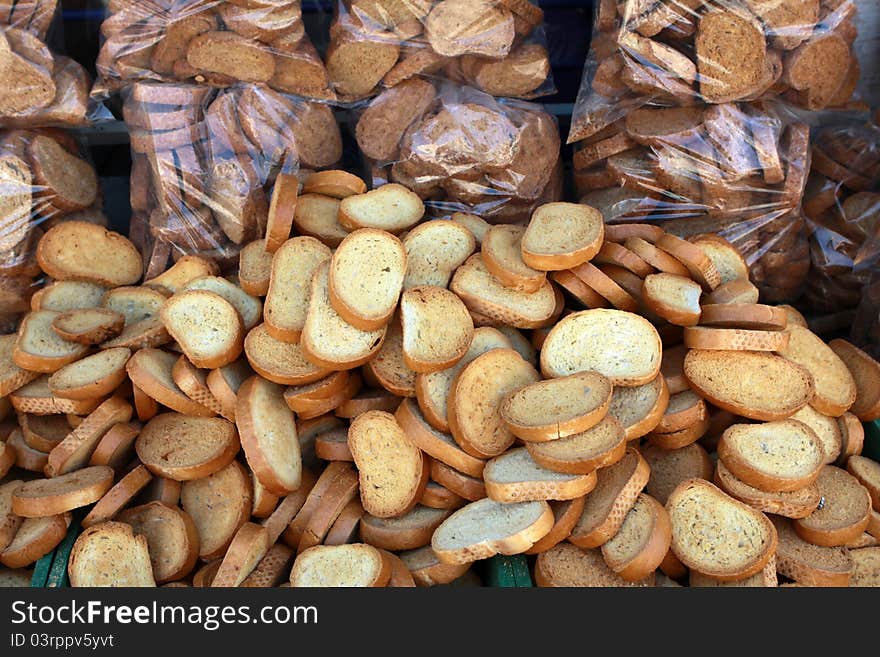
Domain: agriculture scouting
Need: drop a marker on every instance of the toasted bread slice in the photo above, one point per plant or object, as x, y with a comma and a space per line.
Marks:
606, 507
366, 278
515, 477
437, 329
110, 554
794, 504
335, 183
640, 408
249, 308
501, 249
844, 513
224, 382
116, 447
35, 538
9, 520
280, 362
477, 226
42, 432
706, 338
376, 442
39, 348
728, 379
248, 547
326, 388
391, 207
24, 456
866, 375
685, 409
12, 377
151, 370
428, 570
281, 210
254, 268
81, 251
835, 387
566, 514
485, 294
434, 250
194, 384
115, 499
88, 325
333, 446
334, 500
440, 497
432, 390
740, 290
48, 497
717, 535
172, 538
389, 368
605, 286
473, 407
674, 298
271, 569
653, 256
268, 435
566, 565
317, 216
615, 255
464, 485
868, 474
485, 528
752, 316
766, 578
619, 233
582, 453
728, 261
827, 429
135, 303
549, 410
93, 376
808, 564
561, 236
264, 501
356, 565
852, 437
35, 397
149, 332
670, 467
328, 340
780, 456
207, 327
218, 504
583, 340
642, 542
300, 511
694, 258
680, 438
62, 296
76, 449
409, 531
184, 448
866, 567
308, 409
287, 301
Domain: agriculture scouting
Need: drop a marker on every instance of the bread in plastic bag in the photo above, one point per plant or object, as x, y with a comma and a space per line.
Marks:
497, 46
842, 205
683, 52
204, 162
866, 325
44, 179
460, 149
211, 42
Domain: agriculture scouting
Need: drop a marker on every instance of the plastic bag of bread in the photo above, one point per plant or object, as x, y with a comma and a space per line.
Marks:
210, 42
866, 325
683, 52
204, 162
37, 87
497, 46
461, 149
842, 205
44, 179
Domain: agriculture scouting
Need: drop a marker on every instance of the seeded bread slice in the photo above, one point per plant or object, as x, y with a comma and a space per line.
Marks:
835, 388
844, 513
77, 250
391, 207
717, 535
866, 374
567, 565
795, 504
808, 564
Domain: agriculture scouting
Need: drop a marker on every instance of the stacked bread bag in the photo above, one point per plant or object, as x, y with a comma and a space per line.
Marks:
206, 163
497, 46
683, 116
209, 42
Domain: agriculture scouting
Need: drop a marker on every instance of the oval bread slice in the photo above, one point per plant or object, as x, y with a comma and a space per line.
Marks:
515, 477
670, 467
39, 348
752, 316
81, 251
218, 504
207, 327
49, 497
391, 207
91, 377
249, 308
88, 325
794, 504
152, 371
172, 538
183, 447
118, 497
501, 249
640, 408
582, 453
674, 298
110, 554
866, 374
434, 250
280, 362
34, 538
409, 531
843, 514
355, 565
437, 328
566, 565
562, 235
808, 564
868, 474
827, 429
642, 542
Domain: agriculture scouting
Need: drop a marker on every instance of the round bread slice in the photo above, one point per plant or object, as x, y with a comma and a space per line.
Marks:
172, 538
606, 507
207, 327
549, 410
391, 207
355, 565
794, 504
88, 325
218, 504
670, 467
516, 477
42, 432
149, 332
835, 388
583, 341
116, 447
826, 428
34, 538
868, 474
335, 183
582, 453
185, 448
440, 497
39, 348
409, 531
110, 554
151, 370
842, 515
268, 435
561, 236
674, 298
566, 565
62, 296
393, 472
501, 249
780, 456
639, 408
388, 367
866, 374
134, 303
485, 528
717, 535
48, 497
751, 316
255, 265
434, 250
81, 251
727, 259
808, 564
224, 382
249, 307
759, 386
475, 397
437, 329
115, 499
641, 544
91, 377
280, 362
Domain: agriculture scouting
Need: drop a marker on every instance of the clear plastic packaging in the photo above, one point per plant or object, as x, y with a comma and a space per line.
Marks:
497, 46
204, 162
866, 325
683, 52
463, 150
842, 205
44, 179
211, 42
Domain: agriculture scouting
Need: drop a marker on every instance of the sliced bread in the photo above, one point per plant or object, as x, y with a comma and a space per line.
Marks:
670, 467
674, 298
582, 453
391, 207
641, 544
408, 531
437, 329
434, 250
249, 308
91, 377
172, 538
280, 362
516, 477
866, 375
81, 251
566, 565
207, 327
48, 497
355, 565
561, 236
88, 325
752, 316
39, 348
218, 504
794, 504
868, 474
184, 448
112, 555
501, 249
640, 408
843, 513
808, 564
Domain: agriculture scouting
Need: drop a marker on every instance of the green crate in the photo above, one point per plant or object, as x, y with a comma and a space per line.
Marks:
872, 440
508, 572
51, 570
